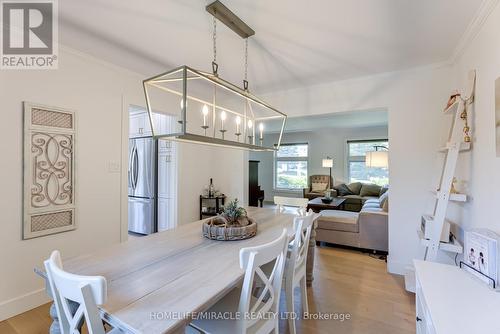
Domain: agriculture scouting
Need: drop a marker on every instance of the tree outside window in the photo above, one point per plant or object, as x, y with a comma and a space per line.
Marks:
290, 167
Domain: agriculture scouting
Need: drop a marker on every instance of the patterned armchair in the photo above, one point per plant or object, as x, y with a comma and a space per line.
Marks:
308, 193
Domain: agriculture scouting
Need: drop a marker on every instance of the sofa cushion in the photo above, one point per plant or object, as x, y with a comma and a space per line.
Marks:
338, 220
373, 201
383, 190
375, 205
372, 209
355, 187
369, 190
318, 186
343, 190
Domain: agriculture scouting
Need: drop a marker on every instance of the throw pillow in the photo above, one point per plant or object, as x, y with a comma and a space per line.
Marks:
355, 187
383, 199
317, 187
383, 190
343, 190
369, 190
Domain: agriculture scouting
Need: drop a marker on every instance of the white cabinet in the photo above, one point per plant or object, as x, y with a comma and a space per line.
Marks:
423, 319
450, 300
166, 185
139, 125
166, 214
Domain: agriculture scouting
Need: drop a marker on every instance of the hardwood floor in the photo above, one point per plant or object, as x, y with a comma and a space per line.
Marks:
345, 282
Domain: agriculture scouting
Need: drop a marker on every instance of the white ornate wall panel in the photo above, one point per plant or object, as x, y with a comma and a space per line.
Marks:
49, 170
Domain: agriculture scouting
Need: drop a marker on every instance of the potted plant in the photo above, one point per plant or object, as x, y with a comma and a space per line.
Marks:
231, 224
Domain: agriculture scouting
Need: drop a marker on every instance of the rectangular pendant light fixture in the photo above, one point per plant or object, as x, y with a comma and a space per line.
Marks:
189, 105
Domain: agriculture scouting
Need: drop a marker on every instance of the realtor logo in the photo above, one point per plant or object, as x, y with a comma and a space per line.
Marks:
29, 34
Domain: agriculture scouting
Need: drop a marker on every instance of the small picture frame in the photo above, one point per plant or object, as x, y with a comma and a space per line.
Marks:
481, 255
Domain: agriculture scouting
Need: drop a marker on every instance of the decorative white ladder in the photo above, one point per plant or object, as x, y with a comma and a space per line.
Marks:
443, 195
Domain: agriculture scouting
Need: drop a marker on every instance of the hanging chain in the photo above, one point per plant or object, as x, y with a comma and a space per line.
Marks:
215, 67
245, 80
214, 39
464, 116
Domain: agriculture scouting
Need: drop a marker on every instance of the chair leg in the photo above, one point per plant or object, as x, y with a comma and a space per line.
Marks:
303, 290
290, 306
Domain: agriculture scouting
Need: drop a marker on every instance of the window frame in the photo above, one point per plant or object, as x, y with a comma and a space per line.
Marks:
275, 166
358, 158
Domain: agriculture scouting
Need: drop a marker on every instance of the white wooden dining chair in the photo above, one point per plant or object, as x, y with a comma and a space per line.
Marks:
263, 307
295, 268
87, 291
299, 203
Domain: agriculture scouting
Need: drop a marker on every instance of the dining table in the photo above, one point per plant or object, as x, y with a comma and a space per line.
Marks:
156, 283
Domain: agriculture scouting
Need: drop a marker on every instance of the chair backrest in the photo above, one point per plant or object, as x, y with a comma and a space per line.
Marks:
300, 203
86, 291
252, 259
300, 244
319, 179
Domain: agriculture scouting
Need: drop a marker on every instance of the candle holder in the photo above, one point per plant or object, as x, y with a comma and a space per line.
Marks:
261, 141
222, 131
250, 140
238, 134
205, 127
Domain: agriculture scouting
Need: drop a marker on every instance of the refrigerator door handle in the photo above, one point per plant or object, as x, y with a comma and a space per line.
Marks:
131, 169
136, 168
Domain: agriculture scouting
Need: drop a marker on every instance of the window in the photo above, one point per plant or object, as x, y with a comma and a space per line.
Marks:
358, 172
290, 167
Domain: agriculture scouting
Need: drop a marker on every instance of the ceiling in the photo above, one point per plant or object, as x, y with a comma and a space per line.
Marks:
338, 120
296, 43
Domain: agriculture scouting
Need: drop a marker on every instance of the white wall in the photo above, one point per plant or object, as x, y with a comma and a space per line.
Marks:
322, 142
414, 100
199, 163
100, 94
95, 91
481, 167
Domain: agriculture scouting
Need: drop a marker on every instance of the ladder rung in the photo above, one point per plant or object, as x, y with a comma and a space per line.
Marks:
453, 197
463, 147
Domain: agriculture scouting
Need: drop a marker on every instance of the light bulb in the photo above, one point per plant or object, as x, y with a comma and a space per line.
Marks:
204, 110
250, 124
182, 104
238, 120
223, 115
261, 127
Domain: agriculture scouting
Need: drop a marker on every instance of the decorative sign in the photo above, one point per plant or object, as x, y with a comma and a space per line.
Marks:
49, 171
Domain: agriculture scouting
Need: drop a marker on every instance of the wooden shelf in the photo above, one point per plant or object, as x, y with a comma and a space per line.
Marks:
453, 197
454, 246
463, 147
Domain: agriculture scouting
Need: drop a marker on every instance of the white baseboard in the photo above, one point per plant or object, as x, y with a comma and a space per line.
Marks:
396, 267
23, 303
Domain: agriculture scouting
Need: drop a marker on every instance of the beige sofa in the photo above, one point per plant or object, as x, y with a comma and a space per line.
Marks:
359, 193
367, 229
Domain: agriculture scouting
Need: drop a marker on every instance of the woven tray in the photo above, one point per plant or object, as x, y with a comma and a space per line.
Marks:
213, 231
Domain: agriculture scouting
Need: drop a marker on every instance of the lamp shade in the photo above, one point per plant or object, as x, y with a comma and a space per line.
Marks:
327, 163
377, 159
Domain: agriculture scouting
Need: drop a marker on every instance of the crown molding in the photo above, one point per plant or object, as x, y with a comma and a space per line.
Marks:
479, 19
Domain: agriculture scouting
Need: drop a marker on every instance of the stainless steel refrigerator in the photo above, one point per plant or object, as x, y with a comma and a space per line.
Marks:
142, 181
